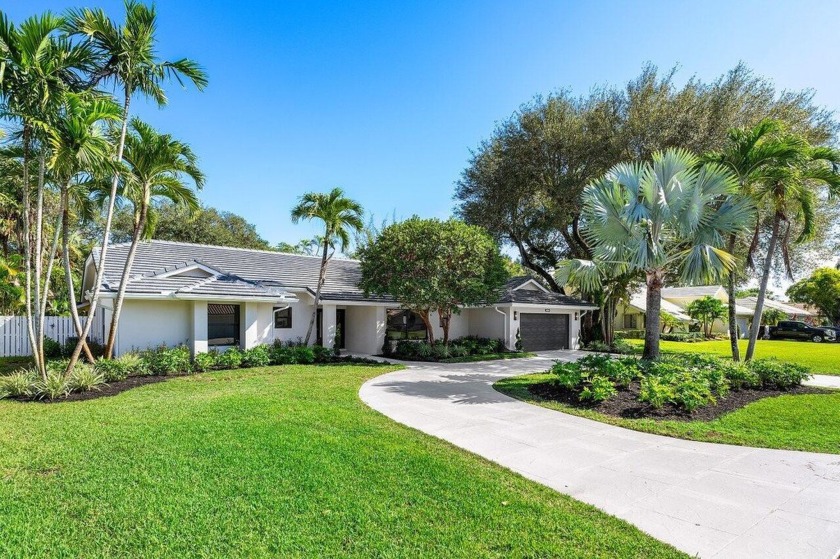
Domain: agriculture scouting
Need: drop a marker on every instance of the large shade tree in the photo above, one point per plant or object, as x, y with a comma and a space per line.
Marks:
668, 214
341, 217
430, 265
157, 167
820, 290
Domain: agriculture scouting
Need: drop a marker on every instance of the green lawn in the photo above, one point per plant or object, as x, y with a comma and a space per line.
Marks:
12, 364
821, 358
796, 422
274, 462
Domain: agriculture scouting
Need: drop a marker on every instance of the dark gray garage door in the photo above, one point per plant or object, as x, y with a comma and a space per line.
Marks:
542, 332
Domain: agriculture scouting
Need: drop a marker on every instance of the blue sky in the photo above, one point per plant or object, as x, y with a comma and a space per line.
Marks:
385, 99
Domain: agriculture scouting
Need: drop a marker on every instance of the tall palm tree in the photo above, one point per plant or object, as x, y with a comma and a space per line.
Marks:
750, 154
790, 192
341, 216
156, 166
655, 217
80, 148
129, 61
38, 66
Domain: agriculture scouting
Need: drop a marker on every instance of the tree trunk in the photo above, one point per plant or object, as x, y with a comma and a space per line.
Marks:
322, 276
445, 318
730, 293
762, 289
424, 316
106, 233
652, 320
68, 274
40, 295
27, 253
126, 275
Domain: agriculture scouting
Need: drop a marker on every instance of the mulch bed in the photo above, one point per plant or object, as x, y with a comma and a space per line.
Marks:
110, 389
625, 404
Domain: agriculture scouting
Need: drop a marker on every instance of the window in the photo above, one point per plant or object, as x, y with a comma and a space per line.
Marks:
222, 325
630, 321
283, 318
404, 324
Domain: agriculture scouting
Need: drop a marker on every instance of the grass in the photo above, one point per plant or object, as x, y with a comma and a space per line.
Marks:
821, 358
808, 422
273, 462
12, 364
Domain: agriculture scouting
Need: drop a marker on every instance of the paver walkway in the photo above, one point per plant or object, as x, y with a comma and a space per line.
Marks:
708, 499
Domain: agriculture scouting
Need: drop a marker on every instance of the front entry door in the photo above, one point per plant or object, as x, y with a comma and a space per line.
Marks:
340, 322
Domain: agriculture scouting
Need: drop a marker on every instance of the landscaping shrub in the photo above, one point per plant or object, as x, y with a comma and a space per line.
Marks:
168, 360
440, 351
85, 377
111, 370
599, 389
52, 349
567, 375
324, 354
597, 345
257, 356
691, 392
19, 384
655, 391
739, 375
97, 349
683, 337
630, 335
55, 386
775, 374
134, 364
206, 361
620, 346
230, 359
460, 347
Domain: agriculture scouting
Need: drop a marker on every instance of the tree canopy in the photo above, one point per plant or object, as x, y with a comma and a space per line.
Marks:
432, 265
707, 310
820, 290
524, 183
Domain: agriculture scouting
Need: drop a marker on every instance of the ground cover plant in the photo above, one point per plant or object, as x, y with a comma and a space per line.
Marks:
271, 462
469, 348
698, 397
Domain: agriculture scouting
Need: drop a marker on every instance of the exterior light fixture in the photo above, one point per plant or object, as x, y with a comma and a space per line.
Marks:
516, 315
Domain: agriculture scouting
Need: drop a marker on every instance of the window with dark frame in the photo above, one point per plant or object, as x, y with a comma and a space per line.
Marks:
630, 321
283, 318
222, 325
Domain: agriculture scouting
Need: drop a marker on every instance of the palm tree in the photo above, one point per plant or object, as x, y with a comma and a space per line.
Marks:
129, 61
80, 148
341, 216
789, 191
669, 215
156, 165
750, 153
38, 66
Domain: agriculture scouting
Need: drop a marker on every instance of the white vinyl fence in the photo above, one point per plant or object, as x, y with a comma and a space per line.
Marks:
14, 339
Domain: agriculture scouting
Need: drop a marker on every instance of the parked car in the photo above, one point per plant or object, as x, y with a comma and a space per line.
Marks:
795, 330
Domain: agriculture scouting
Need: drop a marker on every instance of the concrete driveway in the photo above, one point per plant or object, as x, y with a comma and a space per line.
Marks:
708, 499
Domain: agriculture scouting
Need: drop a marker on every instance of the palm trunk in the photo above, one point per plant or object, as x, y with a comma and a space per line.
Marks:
730, 293
27, 251
106, 233
652, 319
762, 289
321, 277
68, 274
39, 261
42, 311
129, 262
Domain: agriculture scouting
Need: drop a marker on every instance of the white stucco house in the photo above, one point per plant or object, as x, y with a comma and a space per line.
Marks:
675, 300
215, 297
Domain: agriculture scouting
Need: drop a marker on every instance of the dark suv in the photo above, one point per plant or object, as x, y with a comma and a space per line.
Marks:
795, 330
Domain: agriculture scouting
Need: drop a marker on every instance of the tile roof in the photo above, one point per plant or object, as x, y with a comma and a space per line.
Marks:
259, 273
692, 291
749, 304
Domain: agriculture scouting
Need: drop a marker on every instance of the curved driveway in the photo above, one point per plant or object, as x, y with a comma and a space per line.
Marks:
708, 499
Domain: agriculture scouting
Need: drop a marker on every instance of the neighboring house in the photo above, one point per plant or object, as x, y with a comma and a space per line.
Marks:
675, 300
216, 297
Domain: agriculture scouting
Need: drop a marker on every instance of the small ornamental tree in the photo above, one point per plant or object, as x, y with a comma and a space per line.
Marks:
820, 290
432, 265
772, 317
707, 310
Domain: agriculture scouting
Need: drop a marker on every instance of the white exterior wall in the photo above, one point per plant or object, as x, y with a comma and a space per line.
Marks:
488, 323
459, 325
365, 329
148, 324
301, 315
256, 323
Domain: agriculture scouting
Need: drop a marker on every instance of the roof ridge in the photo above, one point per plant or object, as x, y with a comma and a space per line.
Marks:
257, 250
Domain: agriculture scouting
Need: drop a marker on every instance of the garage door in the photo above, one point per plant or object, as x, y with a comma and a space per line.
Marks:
542, 332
